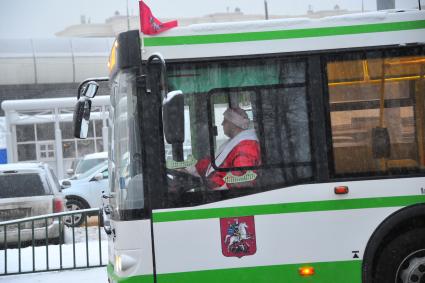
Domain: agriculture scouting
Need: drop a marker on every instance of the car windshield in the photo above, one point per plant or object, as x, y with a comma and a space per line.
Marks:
91, 171
86, 164
21, 185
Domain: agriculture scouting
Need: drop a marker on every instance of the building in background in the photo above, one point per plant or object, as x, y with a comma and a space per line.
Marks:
119, 23
50, 68
39, 79
42, 130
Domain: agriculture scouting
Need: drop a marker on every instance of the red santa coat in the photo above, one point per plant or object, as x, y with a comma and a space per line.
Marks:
243, 151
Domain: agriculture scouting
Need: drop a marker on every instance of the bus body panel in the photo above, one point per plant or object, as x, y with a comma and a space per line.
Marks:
319, 228
131, 239
379, 29
300, 225
367, 189
290, 45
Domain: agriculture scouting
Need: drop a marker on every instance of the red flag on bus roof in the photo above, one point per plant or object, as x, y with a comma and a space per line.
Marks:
151, 25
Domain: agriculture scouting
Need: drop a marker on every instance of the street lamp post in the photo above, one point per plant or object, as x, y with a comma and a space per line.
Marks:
128, 17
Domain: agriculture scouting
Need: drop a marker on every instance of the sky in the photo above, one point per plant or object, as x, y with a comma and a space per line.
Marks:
43, 18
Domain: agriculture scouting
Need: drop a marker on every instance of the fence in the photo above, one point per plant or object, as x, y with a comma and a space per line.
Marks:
45, 243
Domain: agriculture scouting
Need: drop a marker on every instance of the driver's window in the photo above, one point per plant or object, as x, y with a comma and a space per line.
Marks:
263, 145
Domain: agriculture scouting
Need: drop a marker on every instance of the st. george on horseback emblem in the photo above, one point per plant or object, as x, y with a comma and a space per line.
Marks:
238, 236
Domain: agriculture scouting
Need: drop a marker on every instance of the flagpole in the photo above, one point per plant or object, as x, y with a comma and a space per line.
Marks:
142, 35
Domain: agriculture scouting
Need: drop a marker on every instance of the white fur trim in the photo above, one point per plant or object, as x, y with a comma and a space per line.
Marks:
228, 146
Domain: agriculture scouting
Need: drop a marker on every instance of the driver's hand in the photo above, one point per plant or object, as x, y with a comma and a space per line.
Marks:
183, 170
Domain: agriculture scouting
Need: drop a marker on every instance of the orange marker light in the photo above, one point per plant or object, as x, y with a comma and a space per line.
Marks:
341, 190
306, 271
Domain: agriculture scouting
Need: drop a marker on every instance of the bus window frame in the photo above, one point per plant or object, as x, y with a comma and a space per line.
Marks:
367, 53
256, 90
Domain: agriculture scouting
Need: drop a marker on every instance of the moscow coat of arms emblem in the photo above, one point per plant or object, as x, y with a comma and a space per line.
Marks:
238, 236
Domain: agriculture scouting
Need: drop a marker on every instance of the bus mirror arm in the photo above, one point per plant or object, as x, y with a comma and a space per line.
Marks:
151, 59
89, 87
172, 108
81, 117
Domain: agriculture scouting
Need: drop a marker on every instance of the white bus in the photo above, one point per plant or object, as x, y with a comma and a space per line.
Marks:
338, 108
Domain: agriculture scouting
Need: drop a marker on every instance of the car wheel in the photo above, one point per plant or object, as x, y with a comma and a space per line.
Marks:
76, 219
403, 259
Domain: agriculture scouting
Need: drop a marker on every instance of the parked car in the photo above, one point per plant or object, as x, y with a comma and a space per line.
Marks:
29, 189
86, 163
85, 191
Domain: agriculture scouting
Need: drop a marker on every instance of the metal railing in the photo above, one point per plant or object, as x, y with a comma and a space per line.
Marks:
45, 243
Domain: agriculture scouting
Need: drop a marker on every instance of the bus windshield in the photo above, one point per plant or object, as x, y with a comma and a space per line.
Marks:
126, 182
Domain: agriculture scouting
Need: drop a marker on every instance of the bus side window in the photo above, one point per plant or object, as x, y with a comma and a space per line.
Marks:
374, 100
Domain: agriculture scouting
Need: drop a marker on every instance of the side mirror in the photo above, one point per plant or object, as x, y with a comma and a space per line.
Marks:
90, 89
97, 177
70, 171
173, 117
66, 184
381, 146
81, 118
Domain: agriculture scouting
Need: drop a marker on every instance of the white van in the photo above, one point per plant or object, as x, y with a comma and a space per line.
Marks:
87, 162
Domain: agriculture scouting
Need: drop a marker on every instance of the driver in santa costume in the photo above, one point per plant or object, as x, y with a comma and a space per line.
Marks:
241, 150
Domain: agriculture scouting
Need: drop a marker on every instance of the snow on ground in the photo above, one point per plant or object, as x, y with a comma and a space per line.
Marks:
92, 275
40, 256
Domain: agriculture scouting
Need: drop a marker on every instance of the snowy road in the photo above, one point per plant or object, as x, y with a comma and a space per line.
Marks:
92, 275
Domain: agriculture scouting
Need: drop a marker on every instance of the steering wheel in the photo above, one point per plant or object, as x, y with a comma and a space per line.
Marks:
180, 180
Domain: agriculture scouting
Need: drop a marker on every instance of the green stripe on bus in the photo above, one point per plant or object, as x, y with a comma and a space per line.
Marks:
296, 207
133, 279
282, 34
325, 272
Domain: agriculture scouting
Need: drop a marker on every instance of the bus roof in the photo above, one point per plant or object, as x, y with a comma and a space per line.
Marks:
288, 35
